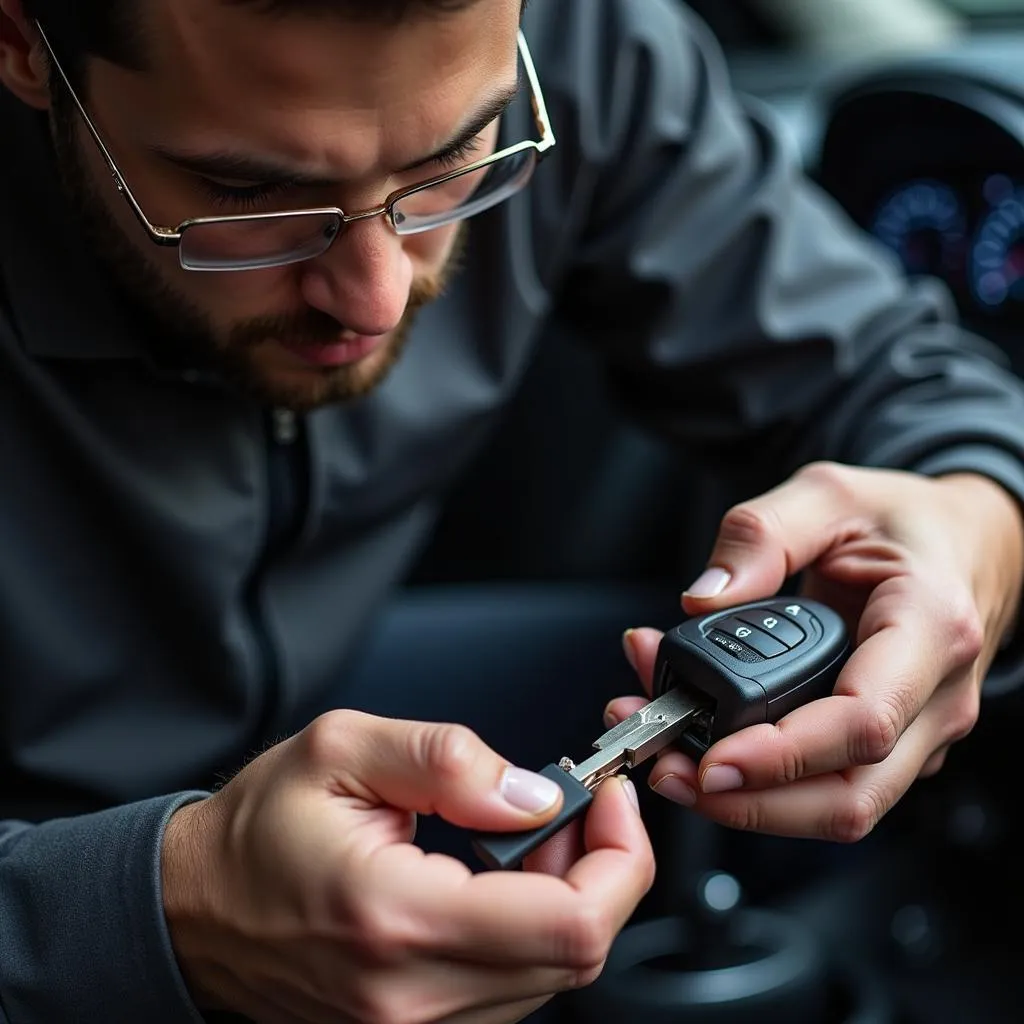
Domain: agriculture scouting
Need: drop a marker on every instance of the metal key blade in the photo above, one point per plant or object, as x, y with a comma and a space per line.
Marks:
630, 743
639, 737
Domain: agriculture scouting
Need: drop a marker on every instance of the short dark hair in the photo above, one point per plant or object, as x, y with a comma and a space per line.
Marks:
110, 29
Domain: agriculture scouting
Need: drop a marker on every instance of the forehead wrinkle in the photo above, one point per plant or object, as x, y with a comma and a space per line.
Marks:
341, 100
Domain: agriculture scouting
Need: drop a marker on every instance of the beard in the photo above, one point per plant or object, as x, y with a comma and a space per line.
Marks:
184, 337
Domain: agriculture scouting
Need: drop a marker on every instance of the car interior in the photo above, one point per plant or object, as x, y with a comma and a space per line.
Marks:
910, 114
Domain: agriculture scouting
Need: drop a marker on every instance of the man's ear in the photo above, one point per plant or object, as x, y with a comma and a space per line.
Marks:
23, 66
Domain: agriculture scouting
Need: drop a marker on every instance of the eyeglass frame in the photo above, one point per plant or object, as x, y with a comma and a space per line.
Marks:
171, 237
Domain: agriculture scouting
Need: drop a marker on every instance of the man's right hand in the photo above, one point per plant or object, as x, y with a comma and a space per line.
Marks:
294, 894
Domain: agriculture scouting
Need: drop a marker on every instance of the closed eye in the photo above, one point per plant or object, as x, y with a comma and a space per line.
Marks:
460, 154
249, 197
245, 197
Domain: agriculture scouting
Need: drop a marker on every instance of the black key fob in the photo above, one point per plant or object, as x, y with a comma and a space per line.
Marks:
752, 663
713, 676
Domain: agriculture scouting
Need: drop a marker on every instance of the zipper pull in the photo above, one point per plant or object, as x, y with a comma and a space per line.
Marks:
285, 426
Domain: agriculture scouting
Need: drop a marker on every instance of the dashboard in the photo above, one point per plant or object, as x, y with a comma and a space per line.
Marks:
930, 161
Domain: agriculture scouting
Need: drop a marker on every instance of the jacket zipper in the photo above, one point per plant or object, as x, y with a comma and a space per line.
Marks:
287, 475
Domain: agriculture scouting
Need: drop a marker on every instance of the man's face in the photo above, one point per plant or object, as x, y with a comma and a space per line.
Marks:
329, 112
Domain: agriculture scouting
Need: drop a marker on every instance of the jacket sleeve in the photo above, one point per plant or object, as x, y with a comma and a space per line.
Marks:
82, 930
737, 304
740, 311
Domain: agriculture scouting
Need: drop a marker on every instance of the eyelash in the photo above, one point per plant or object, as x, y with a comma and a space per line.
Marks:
250, 196
459, 154
247, 197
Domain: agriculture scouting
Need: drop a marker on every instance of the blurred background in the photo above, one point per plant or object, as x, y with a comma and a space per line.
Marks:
910, 113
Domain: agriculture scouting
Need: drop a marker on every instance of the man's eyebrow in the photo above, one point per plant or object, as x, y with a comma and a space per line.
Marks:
245, 167
232, 166
490, 111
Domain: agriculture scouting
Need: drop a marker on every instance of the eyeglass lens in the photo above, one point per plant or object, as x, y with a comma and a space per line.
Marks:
464, 196
276, 240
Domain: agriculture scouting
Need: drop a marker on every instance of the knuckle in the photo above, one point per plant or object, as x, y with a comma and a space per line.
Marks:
328, 737
933, 765
366, 1002
585, 977
448, 750
374, 1004
964, 716
749, 525
372, 997
586, 941
856, 818
791, 764
384, 942
746, 817
880, 729
645, 871
965, 631
830, 476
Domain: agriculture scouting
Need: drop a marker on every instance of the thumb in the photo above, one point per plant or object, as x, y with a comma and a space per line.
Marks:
762, 542
440, 769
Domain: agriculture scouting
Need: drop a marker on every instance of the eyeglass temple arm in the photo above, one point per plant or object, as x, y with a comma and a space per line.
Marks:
540, 110
162, 236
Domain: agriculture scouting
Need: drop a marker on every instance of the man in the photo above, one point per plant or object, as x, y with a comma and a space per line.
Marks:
229, 410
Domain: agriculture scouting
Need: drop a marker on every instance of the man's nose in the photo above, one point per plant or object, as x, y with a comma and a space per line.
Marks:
363, 280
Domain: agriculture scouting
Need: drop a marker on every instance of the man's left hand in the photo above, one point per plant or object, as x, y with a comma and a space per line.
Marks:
927, 574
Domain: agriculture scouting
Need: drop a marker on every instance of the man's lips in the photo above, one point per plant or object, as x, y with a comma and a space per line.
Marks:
349, 349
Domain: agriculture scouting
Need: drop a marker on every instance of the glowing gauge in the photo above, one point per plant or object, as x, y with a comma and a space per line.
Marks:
997, 262
923, 222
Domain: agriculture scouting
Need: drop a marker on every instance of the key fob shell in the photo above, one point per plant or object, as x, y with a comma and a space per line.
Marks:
750, 665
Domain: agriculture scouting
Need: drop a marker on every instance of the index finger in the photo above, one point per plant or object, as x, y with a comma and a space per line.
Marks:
883, 687
528, 918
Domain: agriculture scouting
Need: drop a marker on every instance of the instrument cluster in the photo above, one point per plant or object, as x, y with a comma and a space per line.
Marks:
933, 166
969, 233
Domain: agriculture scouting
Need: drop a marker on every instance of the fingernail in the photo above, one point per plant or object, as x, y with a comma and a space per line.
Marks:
610, 721
630, 789
710, 584
673, 788
627, 646
721, 778
528, 791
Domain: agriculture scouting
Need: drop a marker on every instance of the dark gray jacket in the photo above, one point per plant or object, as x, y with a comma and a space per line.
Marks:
182, 572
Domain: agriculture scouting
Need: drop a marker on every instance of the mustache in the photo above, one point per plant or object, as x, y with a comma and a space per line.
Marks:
311, 327
315, 327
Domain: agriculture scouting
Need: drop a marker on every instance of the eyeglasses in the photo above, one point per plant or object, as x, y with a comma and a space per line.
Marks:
256, 241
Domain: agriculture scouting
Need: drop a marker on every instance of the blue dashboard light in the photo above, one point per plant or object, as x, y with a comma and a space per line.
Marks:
997, 259
924, 223
997, 189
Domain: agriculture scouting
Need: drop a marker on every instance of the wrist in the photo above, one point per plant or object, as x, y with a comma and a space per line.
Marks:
188, 889
996, 518
989, 504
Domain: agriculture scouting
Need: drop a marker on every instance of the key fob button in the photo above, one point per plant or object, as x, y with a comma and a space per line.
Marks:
795, 611
751, 636
775, 625
734, 647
